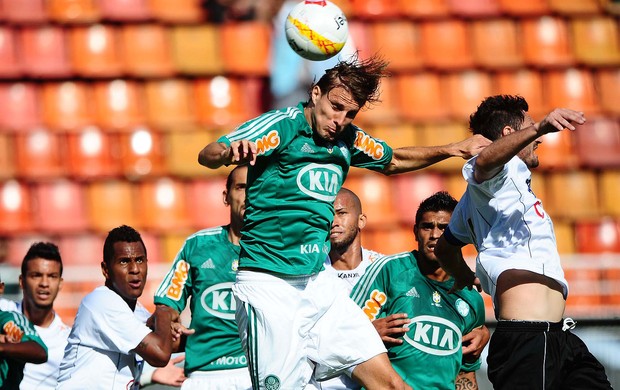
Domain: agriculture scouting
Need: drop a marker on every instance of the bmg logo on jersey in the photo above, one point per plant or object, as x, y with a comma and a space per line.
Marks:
218, 300
368, 145
181, 272
434, 335
320, 181
267, 142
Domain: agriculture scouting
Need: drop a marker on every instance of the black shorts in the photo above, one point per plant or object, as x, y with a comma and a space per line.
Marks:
540, 355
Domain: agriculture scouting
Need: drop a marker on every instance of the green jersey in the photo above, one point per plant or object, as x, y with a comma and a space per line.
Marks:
16, 326
430, 356
205, 269
291, 188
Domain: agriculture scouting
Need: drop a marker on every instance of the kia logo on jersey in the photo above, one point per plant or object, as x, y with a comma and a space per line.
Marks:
218, 300
434, 335
320, 181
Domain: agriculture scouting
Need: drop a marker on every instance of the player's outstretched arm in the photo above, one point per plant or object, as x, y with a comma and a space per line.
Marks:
156, 347
412, 158
217, 154
451, 260
26, 351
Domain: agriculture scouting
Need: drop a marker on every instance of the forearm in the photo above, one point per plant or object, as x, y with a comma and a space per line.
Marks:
450, 257
496, 155
411, 158
466, 381
27, 351
215, 155
157, 346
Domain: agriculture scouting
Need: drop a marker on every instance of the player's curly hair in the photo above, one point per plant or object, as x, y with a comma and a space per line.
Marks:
439, 201
122, 233
41, 250
496, 112
360, 77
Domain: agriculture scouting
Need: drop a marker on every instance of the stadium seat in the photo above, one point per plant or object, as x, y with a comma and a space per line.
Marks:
575, 7
385, 112
557, 150
397, 136
441, 134
573, 88
40, 154
7, 158
169, 104
465, 91
19, 106
95, 51
244, 59
360, 33
17, 247
609, 188
564, 236
538, 186
44, 52
585, 289
146, 50
608, 87
421, 97
410, 190
206, 200
183, 148
177, 11
524, 8
572, 195
24, 11
222, 101
390, 239
524, 82
446, 45
398, 42
375, 192
120, 104
196, 49
91, 154
598, 236
548, 42
596, 41
598, 143
60, 207
163, 205
373, 9
171, 245
66, 105
423, 9
73, 11
611, 286
474, 8
81, 249
125, 10
111, 203
142, 153
15, 208
10, 66
455, 184
495, 44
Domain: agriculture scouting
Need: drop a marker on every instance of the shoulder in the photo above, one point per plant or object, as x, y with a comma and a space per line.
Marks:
392, 263
370, 255
8, 305
206, 235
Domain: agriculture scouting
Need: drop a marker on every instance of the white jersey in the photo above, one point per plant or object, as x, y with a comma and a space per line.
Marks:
8, 305
99, 353
508, 225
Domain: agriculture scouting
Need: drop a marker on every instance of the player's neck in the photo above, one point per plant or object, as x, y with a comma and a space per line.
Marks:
431, 269
42, 317
234, 232
348, 259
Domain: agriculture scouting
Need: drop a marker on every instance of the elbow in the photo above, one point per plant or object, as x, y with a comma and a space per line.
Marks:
39, 357
159, 359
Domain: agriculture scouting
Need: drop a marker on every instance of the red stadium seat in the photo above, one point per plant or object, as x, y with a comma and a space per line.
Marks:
120, 104
600, 236
125, 10
17, 247
163, 205
19, 106
525, 7
548, 42
423, 9
375, 192
221, 101
91, 154
572, 88
208, 207
169, 104
585, 289
146, 50
44, 52
60, 207
73, 11
105, 214
496, 44
608, 87
24, 11
142, 153
373, 9
15, 208
598, 143
399, 43
246, 60
410, 190
446, 45
196, 49
95, 51
596, 41
465, 91
81, 249
421, 97
474, 8
10, 66
66, 106
7, 158
40, 154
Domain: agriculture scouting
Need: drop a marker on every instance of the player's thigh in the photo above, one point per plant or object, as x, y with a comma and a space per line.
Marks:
580, 369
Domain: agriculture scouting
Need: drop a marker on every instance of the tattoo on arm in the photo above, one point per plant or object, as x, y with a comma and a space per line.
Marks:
466, 381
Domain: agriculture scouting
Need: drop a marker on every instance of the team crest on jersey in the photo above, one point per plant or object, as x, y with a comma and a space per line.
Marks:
235, 265
436, 299
434, 335
320, 181
267, 142
462, 307
272, 382
368, 145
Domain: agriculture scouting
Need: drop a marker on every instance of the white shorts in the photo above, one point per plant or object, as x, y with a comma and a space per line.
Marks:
294, 327
234, 379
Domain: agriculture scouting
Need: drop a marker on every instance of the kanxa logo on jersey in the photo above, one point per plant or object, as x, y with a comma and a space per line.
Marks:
13, 332
218, 300
320, 181
267, 142
181, 272
434, 335
368, 145
372, 306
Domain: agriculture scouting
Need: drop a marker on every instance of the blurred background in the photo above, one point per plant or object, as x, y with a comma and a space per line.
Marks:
105, 104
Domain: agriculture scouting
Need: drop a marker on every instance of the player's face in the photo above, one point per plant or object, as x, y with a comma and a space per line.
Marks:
235, 197
126, 274
428, 230
346, 225
528, 154
41, 283
333, 112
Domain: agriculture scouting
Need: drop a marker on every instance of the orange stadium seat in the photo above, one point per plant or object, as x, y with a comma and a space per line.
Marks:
73, 11
207, 205
373, 9
474, 8
111, 203
375, 192
441, 134
44, 52
183, 148
171, 245
573, 7
66, 105
564, 236
169, 104
446, 45
91, 154
60, 207
397, 136
548, 42
246, 60
585, 290
410, 190
538, 186
95, 51
7, 158
573, 88
526, 83
525, 7
120, 104
601, 236
177, 11
465, 91
495, 43
423, 9
385, 112
40, 154
389, 239
19, 106
125, 10
558, 151
608, 87
10, 66
163, 205
142, 153
154, 255
598, 143
24, 11
81, 249
596, 41
399, 43
221, 101
609, 188
15, 208
572, 195
421, 97
196, 49
611, 278
455, 184
146, 50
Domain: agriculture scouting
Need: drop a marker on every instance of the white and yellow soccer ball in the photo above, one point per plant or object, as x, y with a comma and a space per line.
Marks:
316, 29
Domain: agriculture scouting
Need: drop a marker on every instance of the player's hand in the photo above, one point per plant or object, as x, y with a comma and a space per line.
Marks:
170, 375
474, 342
560, 119
391, 328
466, 279
243, 151
471, 146
178, 330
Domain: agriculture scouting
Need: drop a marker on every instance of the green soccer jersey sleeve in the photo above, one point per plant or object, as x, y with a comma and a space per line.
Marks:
204, 270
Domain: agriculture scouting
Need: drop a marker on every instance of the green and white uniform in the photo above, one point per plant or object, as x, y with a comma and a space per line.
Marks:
205, 269
430, 356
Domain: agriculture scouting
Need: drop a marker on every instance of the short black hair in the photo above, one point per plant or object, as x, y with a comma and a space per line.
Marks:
41, 250
496, 112
439, 201
122, 233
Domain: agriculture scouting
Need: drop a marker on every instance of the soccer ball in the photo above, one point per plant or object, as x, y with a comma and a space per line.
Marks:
316, 30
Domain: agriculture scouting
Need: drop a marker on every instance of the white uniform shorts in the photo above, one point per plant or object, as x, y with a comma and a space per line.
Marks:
295, 327
234, 379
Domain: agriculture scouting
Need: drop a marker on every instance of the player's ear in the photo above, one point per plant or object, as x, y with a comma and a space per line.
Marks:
104, 270
361, 222
315, 94
507, 130
225, 197
415, 232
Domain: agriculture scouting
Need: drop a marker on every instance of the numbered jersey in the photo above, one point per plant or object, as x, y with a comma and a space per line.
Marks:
292, 187
394, 284
205, 269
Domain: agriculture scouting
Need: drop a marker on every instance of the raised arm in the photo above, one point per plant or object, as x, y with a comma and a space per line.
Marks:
26, 351
451, 260
216, 154
156, 347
